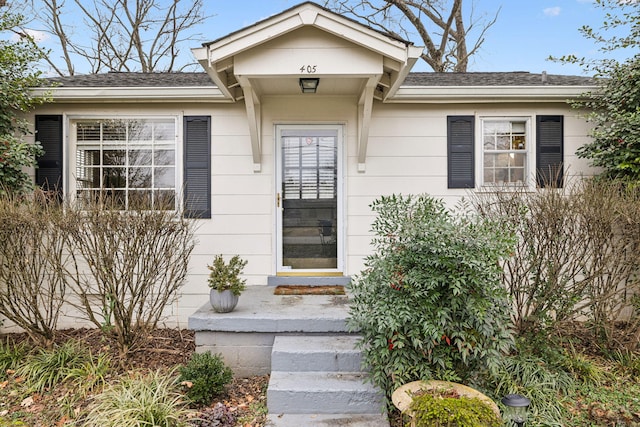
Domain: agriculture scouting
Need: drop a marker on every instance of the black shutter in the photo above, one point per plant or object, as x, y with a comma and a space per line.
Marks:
549, 150
460, 152
49, 170
197, 166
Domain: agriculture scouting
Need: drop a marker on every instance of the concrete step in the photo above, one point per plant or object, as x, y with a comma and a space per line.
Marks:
322, 393
328, 420
316, 353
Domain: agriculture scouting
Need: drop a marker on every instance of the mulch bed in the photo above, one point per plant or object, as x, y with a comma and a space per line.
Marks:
163, 350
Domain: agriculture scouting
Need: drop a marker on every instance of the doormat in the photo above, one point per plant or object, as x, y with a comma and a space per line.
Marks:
309, 290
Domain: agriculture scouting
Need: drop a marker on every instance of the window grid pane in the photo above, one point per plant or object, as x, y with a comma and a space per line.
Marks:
132, 160
505, 152
309, 167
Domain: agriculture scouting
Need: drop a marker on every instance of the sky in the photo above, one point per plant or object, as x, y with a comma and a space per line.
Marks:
525, 34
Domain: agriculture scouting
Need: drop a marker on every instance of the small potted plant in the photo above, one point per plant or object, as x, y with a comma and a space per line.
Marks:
225, 283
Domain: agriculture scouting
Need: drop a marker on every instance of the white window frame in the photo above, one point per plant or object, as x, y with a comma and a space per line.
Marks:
528, 151
70, 154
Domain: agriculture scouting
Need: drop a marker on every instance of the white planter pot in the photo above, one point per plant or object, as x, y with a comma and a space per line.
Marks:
223, 302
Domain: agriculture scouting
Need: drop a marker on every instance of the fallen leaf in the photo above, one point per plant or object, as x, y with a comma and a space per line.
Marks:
3, 384
187, 384
27, 402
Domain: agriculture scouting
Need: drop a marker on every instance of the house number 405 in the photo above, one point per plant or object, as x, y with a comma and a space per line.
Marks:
309, 69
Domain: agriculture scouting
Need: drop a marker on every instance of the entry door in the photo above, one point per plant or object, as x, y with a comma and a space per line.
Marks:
309, 207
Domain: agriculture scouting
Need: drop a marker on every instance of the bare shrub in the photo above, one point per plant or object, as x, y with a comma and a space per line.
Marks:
612, 215
32, 249
577, 255
137, 261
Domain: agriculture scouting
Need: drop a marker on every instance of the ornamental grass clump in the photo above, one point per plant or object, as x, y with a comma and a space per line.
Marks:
139, 400
430, 303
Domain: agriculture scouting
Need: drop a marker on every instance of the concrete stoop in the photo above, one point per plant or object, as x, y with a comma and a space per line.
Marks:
317, 381
327, 420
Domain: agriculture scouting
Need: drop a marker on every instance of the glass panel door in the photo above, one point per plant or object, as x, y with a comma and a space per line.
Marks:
309, 198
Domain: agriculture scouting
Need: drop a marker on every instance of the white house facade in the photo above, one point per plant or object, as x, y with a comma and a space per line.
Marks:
294, 127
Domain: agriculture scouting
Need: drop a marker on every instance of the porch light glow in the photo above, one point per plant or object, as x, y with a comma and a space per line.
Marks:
309, 85
516, 407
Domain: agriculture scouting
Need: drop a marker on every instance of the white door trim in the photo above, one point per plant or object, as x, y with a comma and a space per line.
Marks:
340, 234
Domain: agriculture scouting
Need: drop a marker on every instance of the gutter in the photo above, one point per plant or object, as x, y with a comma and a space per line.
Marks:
486, 94
137, 94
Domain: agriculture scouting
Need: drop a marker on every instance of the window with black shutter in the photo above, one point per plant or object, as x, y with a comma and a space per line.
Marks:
197, 166
549, 151
49, 170
460, 152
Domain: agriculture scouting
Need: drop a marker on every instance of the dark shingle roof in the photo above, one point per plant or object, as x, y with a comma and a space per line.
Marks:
518, 78
514, 78
124, 79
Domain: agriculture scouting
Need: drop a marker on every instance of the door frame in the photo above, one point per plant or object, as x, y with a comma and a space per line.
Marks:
340, 218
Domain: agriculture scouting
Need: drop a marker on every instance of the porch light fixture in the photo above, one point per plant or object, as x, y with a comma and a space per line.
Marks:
309, 85
516, 407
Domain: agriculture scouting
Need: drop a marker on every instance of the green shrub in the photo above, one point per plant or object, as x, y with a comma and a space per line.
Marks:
459, 411
204, 376
430, 303
141, 400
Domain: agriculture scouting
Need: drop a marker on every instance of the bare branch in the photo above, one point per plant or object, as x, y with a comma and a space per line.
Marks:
117, 35
439, 25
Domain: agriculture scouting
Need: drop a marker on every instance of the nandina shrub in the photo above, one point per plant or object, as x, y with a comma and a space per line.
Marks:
430, 303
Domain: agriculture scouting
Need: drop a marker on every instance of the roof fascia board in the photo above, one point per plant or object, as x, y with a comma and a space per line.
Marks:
218, 77
361, 35
133, 94
486, 94
413, 53
251, 37
306, 14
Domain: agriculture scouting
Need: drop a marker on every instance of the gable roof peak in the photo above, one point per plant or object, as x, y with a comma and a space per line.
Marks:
307, 11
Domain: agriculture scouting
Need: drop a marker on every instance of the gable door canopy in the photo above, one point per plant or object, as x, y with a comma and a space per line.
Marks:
307, 40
